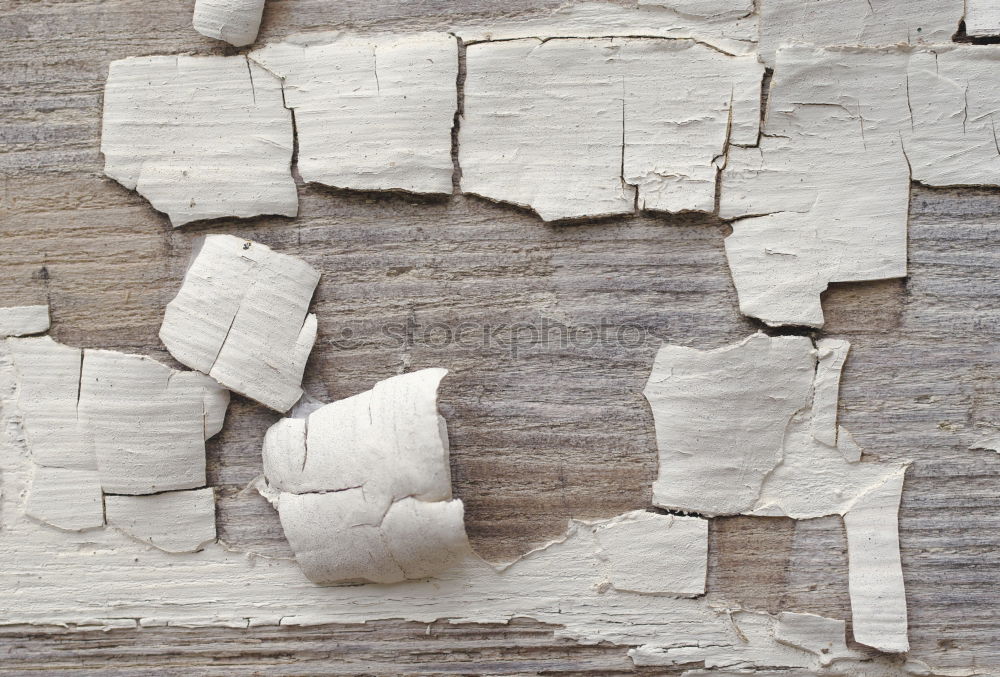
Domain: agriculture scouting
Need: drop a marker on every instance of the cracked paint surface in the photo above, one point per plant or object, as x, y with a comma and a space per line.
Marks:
751, 429
371, 112
241, 316
200, 137
94, 423
580, 127
363, 486
982, 18
24, 320
235, 21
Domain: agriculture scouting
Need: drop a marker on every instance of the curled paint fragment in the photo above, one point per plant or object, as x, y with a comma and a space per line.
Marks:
24, 320
363, 487
737, 432
235, 21
600, 126
200, 137
982, 18
371, 112
241, 316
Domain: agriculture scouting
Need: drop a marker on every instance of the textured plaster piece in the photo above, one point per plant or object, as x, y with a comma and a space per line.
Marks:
174, 521
720, 419
66, 498
825, 637
584, 127
146, 421
235, 21
24, 320
726, 32
371, 112
736, 435
241, 316
363, 487
656, 554
864, 23
200, 137
982, 18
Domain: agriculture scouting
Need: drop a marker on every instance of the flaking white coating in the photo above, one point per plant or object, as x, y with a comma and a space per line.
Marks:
235, 21
856, 23
200, 137
23, 320
982, 18
66, 498
736, 435
174, 521
371, 112
655, 554
241, 316
363, 488
577, 128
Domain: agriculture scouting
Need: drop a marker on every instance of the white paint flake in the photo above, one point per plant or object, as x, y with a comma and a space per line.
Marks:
706, 9
146, 421
174, 521
24, 320
66, 498
235, 21
98, 421
840, 121
593, 127
831, 355
371, 112
982, 18
825, 637
726, 31
241, 316
736, 435
200, 137
363, 486
856, 23
656, 554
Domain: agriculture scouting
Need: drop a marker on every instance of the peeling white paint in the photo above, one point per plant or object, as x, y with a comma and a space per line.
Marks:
726, 31
840, 121
594, 127
93, 421
655, 554
241, 316
24, 320
174, 521
200, 137
825, 637
856, 23
66, 498
363, 486
982, 18
235, 21
706, 9
736, 435
371, 112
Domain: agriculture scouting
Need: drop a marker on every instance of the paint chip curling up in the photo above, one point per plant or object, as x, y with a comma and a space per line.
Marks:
241, 316
24, 320
102, 422
751, 429
840, 122
371, 112
576, 128
235, 21
363, 486
200, 137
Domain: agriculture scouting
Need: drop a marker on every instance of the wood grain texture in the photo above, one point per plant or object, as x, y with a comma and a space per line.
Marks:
540, 431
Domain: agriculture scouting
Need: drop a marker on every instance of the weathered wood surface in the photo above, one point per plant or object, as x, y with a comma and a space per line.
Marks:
540, 431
